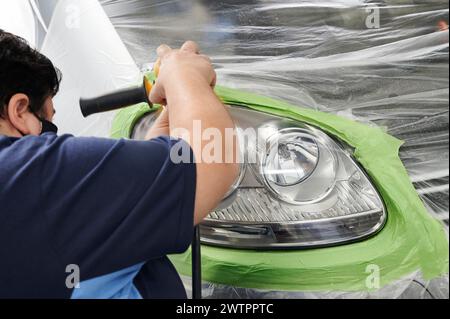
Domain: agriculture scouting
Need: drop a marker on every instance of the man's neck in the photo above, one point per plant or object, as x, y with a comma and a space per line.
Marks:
6, 129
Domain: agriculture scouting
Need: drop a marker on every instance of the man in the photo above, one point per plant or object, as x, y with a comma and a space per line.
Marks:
108, 210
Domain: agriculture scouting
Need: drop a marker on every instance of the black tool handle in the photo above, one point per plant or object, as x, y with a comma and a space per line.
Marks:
115, 100
196, 265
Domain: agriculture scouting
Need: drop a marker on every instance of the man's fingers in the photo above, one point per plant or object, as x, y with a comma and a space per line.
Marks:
163, 50
157, 67
190, 46
207, 58
157, 94
214, 81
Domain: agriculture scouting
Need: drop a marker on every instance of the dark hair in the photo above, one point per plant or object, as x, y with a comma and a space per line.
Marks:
25, 70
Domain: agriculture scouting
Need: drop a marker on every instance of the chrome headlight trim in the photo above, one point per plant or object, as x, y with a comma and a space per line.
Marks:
245, 235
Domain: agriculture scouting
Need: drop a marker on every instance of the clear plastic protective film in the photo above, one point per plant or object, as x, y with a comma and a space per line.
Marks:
383, 63
330, 56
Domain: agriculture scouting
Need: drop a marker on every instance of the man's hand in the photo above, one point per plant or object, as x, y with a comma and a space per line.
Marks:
176, 66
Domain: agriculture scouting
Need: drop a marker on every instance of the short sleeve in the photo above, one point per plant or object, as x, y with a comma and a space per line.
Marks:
111, 204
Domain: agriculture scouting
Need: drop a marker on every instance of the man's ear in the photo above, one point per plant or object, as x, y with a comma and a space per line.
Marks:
17, 112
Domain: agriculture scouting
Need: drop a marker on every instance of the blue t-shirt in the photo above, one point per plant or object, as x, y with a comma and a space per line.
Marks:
106, 210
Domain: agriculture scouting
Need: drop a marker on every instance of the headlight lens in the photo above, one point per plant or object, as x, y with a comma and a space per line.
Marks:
304, 190
292, 158
300, 164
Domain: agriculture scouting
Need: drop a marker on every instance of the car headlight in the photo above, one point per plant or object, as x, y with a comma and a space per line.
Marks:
303, 189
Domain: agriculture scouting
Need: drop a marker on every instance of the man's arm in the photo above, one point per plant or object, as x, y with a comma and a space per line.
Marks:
185, 84
161, 126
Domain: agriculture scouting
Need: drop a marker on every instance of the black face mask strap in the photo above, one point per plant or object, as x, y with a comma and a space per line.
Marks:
21, 133
48, 126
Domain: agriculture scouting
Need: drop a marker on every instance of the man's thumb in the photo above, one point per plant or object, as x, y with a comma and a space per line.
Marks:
157, 94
